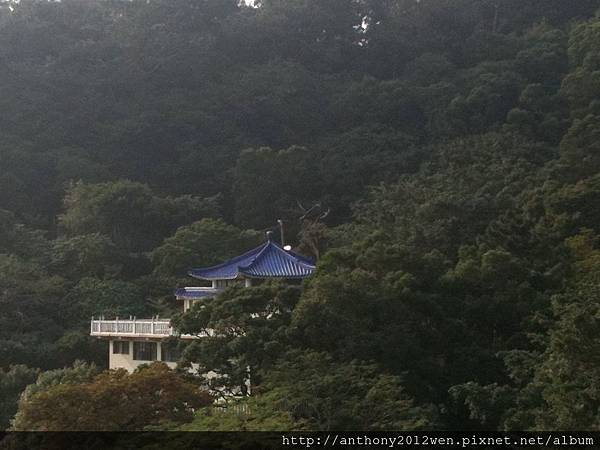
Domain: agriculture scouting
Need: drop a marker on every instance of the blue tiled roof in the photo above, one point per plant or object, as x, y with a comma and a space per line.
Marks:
191, 293
266, 261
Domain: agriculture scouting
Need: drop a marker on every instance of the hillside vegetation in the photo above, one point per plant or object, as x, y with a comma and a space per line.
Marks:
441, 158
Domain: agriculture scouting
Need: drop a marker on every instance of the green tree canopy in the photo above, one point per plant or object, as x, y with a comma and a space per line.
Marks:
129, 213
12, 383
153, 395
204, 243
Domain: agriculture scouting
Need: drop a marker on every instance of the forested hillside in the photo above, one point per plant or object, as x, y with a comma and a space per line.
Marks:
440, 158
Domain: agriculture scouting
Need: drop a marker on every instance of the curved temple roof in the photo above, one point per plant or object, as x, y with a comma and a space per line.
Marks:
268, 260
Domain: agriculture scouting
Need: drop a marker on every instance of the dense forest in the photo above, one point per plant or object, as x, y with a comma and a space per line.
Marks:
440, 159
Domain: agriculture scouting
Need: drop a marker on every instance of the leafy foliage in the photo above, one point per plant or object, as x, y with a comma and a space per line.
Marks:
326, 395
248, 330
201, 244
252, 414
12, 382
128, 213
440, 157
153, 395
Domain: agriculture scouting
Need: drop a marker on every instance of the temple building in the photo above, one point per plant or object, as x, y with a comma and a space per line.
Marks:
133, 341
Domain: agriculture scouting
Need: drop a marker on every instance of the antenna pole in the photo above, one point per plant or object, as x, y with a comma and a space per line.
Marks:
280, 222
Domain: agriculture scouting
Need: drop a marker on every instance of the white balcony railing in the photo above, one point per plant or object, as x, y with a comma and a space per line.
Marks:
134, 328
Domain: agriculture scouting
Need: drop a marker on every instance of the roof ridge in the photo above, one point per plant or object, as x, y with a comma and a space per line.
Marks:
247, 254
299, 258
258, 255
268, 260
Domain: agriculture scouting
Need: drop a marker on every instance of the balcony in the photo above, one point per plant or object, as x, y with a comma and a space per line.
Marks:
140, 328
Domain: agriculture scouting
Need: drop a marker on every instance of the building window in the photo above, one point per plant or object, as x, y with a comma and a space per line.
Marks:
169, 352
121, 347
144, 351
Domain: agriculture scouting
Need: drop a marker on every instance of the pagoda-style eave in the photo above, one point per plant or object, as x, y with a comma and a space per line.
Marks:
243, 276
264, 277
190, 273
266, 261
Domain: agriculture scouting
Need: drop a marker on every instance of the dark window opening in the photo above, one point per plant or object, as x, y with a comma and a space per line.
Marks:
121, 347
144, 351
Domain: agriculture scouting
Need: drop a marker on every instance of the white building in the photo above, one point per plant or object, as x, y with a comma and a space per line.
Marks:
133, 342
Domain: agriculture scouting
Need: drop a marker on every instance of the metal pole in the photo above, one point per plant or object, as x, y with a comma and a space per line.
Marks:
280, 222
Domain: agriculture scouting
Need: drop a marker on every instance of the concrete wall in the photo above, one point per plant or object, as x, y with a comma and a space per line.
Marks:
120, 361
